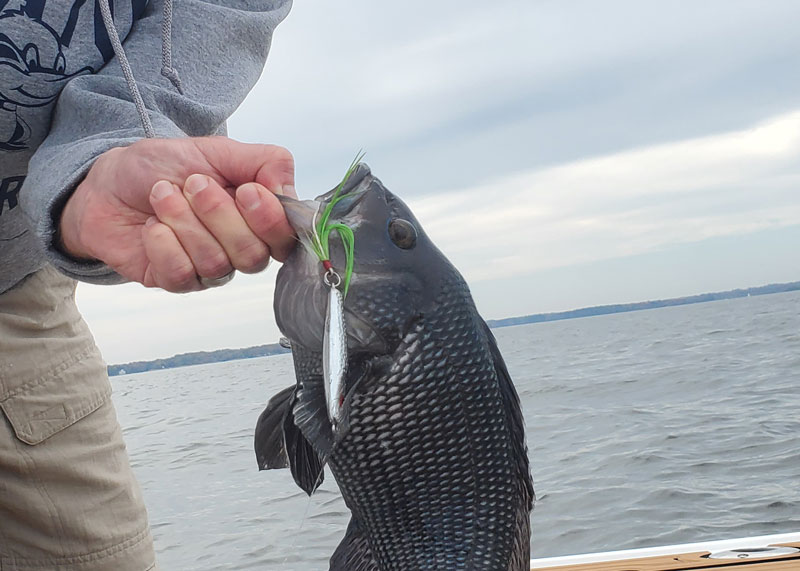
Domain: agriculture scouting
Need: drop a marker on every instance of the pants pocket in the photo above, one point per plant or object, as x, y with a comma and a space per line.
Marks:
45, 406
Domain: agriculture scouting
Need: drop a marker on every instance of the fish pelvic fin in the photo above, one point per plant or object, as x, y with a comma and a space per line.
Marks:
269, 444
280, 444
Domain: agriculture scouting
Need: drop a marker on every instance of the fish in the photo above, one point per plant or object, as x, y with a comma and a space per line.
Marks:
428, 442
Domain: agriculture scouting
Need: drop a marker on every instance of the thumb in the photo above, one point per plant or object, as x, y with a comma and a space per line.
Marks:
239, 163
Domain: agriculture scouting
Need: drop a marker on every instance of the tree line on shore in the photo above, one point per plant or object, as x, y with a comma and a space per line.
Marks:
636, 306
201, 357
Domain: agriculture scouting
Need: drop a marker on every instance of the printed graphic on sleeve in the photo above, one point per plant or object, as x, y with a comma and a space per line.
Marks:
43, 44
33, 67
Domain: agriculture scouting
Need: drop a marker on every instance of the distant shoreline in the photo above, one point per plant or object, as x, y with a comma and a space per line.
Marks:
638, 306
201, 357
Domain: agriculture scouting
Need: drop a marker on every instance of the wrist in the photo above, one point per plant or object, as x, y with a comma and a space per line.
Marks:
69, 220
67, 238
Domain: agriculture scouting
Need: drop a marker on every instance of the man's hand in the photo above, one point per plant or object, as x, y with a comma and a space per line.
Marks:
163, 212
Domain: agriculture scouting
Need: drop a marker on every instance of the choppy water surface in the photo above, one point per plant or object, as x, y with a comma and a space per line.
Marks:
647, 428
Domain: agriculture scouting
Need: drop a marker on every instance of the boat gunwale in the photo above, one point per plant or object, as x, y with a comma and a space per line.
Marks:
755, 542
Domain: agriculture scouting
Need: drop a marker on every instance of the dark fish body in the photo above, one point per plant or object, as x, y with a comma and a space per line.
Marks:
431, 457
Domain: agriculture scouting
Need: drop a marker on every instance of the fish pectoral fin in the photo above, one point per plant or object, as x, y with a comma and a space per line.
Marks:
354, 552
269, 440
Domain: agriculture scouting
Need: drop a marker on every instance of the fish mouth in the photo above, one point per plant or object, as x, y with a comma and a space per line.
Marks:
303, 215
356, 184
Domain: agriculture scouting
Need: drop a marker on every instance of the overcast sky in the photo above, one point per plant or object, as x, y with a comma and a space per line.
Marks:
562, 153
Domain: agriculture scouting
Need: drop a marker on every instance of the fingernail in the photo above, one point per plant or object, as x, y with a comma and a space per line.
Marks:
195, 184
248, 197
150, 221
161, 190
288, 190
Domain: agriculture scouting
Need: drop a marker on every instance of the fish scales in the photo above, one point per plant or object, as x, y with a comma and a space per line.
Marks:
451, 475
430, 454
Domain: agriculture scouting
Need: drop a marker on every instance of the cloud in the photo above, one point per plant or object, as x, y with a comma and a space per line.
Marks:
595, 209
621, 204
443, 94
528, 136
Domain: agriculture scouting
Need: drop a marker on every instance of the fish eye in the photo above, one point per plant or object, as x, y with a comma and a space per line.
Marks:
403, 233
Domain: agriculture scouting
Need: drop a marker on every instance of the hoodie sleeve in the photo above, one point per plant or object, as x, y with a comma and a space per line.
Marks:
219, 48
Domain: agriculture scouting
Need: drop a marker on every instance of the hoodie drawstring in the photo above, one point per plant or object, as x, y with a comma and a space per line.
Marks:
166, 49
166, 60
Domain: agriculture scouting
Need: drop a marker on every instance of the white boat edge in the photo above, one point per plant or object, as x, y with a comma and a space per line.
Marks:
710, 546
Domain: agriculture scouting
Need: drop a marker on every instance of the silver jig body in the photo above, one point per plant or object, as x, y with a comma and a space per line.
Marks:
334, 348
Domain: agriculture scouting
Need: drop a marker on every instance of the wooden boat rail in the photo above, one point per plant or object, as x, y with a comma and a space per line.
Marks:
693, 561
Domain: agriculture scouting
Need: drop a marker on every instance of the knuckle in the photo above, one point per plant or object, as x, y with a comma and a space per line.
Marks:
215, 266
208, 203
158, 232
280, 154
251, 257
266, 221
280, 160
171, 209
281, 251
182, 278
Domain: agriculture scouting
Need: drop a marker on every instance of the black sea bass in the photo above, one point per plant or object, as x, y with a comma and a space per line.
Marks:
422, 429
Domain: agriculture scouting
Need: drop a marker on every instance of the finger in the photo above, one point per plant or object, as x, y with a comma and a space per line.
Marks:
169, 267
265, 217
172, 208
269, 165
216, 209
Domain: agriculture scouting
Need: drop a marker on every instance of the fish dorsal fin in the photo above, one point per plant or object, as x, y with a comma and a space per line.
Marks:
280, 444
513, 413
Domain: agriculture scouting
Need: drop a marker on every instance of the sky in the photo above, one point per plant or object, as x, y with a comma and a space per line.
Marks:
561, 153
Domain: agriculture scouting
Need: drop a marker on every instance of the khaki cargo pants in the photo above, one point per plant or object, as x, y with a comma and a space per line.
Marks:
68, 498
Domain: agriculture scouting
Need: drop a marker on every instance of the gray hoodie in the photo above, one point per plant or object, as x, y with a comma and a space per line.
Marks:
65, 98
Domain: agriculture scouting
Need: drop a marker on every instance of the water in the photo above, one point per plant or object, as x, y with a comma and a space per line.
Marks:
648, 428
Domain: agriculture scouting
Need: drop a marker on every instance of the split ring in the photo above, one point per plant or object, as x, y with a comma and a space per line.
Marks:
329, 278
